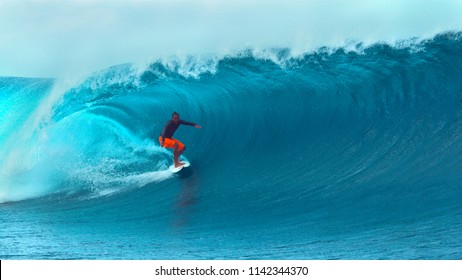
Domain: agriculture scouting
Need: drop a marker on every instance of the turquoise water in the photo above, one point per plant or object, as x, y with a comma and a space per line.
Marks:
349, 153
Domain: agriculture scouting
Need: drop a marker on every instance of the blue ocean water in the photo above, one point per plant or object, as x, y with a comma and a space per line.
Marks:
345, 153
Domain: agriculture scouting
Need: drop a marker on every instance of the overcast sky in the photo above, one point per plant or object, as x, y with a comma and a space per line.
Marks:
44, 38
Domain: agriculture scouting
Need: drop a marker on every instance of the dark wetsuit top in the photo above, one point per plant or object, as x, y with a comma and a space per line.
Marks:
171, 127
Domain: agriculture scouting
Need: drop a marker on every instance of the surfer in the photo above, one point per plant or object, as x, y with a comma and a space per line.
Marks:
166, 137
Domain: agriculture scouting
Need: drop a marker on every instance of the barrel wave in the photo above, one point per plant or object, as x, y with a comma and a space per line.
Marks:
345, 153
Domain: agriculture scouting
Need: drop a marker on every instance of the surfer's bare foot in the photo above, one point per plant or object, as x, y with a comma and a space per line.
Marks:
178, 164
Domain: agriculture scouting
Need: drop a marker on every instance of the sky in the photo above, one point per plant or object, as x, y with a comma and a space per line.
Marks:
45, 38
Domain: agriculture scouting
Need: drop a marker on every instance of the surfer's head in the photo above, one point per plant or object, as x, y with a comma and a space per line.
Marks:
175, 117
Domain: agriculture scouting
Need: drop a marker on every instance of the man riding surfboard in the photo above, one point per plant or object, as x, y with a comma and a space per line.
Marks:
167, 141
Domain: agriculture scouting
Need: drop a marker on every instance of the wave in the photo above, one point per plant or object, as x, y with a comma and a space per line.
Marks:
334, 121
349, 152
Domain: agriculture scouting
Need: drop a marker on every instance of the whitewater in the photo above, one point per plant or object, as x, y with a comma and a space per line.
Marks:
346, 152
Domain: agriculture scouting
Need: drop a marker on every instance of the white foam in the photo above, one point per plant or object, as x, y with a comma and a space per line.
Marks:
113, 185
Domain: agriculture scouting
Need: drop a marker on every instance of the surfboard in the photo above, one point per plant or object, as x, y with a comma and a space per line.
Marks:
174, 169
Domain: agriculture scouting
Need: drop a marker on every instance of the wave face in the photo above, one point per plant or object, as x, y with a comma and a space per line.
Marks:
350, 153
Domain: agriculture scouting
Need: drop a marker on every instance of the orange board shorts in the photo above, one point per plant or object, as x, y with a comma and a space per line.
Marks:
170, 143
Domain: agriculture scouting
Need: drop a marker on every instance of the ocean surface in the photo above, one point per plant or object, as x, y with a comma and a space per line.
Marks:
338, 153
